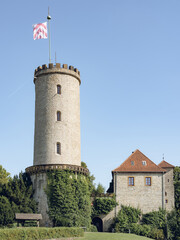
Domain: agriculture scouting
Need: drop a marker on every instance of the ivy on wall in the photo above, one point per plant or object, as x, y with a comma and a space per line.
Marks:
103, 205
69, 198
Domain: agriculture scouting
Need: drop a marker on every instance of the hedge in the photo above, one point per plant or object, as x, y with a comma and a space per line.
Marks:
40, 233
147, 231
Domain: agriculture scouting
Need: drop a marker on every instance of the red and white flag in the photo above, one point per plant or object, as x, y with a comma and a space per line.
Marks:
40, 31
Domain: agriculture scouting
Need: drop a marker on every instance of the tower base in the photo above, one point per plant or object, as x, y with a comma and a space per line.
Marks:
38, 176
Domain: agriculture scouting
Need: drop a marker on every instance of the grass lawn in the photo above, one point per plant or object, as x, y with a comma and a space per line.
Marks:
112, 236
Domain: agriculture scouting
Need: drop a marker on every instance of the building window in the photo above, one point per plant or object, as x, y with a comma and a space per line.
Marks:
58, 89
148, 181
165, 193
131, 181
58, 116
132, 163
144, 163
58, 146
166, 201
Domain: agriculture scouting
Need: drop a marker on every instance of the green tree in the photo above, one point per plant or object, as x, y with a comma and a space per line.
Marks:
19, 192
4, 177
177, 188
83, 164
176, 220
173, 225
6, 212
100, 189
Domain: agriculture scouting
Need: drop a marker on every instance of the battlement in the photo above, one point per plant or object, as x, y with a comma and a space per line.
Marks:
58, 69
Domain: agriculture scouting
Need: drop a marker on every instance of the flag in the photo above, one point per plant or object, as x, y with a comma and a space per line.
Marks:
40, 30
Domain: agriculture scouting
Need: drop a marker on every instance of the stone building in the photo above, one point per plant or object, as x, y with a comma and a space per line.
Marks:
57, 127
168, 185
140, 183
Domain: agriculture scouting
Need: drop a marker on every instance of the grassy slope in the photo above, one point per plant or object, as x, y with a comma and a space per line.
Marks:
112, 236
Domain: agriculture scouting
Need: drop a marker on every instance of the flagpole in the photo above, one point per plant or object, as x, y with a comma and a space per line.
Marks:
49, 18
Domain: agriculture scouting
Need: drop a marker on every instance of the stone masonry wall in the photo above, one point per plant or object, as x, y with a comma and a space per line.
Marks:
39, 181
169, 189
108, 220
49, 131
147, 198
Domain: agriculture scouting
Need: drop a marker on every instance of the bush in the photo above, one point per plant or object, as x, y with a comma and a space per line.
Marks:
157, 234
39, 233
157, 219
30, 223
92, 228
126, 216
143, 230
103, 205
147, 231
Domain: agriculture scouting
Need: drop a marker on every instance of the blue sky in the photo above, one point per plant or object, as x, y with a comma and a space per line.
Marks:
128, 53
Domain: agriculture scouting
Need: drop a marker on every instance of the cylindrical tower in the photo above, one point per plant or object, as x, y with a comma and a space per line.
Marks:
57, 116
57, 128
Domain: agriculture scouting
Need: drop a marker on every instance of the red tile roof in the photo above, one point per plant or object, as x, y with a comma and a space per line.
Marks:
137, 159
165, 164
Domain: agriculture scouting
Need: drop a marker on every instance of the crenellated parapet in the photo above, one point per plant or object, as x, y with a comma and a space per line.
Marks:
57, 69
51, 167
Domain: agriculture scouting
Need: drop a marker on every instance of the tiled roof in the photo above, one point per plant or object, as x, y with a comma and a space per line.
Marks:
134, 163
165, 164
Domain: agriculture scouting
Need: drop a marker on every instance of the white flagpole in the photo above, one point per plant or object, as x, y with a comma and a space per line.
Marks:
49, 18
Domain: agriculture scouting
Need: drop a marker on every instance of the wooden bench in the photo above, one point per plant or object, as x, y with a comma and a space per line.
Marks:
22, 217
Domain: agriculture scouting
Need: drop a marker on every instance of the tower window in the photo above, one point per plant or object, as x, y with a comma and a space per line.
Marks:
58, 89
131, 181
58, 116
58, 146
148, 181
132, 163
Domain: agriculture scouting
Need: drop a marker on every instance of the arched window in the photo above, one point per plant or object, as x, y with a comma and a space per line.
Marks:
58, 116
58, 147
58, 89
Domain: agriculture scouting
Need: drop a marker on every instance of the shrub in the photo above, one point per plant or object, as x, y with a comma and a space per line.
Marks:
92, 228
39, 233
143, 230
126, 216
155, 218
157, 234
147, 231
103, 205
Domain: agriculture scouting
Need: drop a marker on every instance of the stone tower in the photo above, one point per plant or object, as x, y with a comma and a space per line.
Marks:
57, 127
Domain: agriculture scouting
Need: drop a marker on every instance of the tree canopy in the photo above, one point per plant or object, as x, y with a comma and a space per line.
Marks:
4, 176
16, 196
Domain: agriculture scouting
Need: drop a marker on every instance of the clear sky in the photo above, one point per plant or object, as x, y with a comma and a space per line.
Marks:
128, 53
